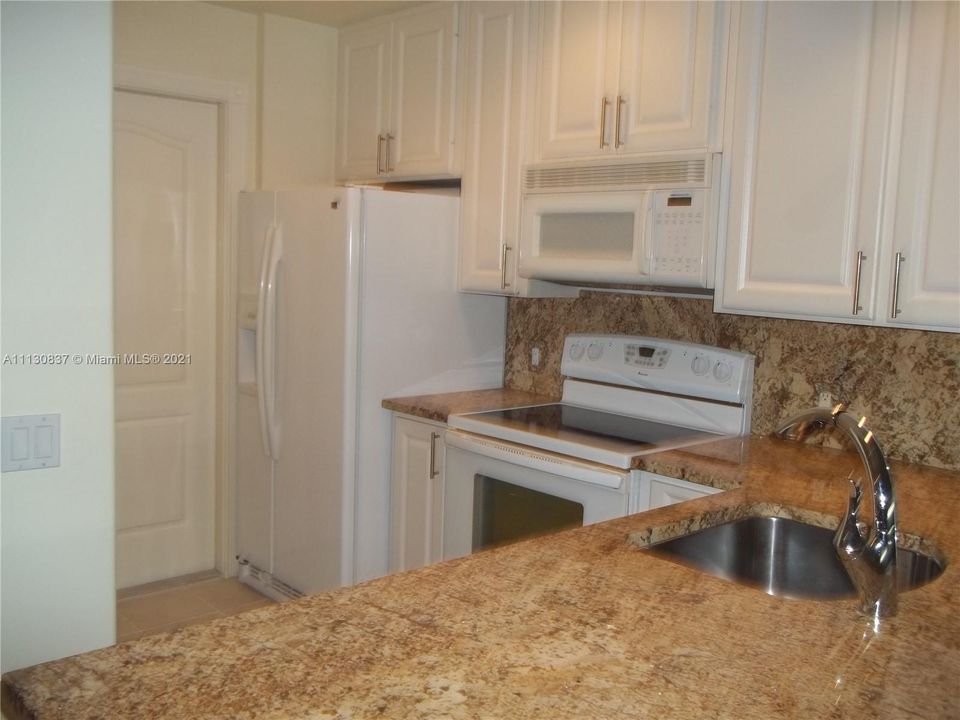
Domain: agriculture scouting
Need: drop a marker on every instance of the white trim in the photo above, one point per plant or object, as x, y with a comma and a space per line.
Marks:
232, 99
158, 82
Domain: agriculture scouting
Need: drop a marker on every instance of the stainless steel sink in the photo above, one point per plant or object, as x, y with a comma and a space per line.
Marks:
783, 557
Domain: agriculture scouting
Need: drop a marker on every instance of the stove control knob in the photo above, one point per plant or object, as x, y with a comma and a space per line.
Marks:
700, 365
575, 352
722, 371
594, 351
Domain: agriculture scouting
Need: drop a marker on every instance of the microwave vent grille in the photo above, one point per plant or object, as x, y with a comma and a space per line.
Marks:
688, 172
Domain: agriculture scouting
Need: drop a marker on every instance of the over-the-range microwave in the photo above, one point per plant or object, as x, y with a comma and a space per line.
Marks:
651, 221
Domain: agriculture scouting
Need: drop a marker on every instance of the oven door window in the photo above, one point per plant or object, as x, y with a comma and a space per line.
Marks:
505, 513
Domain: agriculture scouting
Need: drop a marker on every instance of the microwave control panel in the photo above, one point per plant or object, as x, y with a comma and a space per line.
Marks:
678, 234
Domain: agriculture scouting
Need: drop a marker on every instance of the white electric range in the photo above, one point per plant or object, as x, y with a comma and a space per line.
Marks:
516, 472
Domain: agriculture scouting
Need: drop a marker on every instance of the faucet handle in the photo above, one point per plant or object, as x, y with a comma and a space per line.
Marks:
849, 538
856, 497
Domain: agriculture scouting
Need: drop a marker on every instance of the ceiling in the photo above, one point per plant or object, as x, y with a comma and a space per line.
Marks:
335, 13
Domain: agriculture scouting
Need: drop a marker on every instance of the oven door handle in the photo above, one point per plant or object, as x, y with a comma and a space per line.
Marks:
537, 459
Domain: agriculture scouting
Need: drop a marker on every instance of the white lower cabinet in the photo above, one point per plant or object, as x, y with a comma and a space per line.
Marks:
416, 493
660, 491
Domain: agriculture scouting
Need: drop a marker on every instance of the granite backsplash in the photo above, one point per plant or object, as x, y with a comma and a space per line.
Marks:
907, 382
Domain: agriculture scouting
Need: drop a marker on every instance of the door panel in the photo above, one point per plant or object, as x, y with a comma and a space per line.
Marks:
416, 504
254, 486
310, 362
665, 75
490, 191
364, 99
926, 226
421, 107
578, 72
165, 230
811, 85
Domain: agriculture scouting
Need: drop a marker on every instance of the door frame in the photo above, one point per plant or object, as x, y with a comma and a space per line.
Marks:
232, 101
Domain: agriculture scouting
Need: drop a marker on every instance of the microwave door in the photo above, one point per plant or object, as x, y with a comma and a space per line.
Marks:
594, 237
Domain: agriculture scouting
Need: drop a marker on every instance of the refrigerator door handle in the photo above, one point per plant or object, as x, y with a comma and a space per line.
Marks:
261, 336
270, 343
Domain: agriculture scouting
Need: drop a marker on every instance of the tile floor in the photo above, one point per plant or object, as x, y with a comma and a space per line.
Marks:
172, 604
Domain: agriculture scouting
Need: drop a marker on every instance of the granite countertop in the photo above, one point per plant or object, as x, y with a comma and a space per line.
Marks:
579, 624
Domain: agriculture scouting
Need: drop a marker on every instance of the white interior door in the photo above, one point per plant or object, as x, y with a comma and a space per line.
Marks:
165, 230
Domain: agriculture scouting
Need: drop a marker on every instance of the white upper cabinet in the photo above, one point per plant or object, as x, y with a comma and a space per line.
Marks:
496, 34
920, 274
577, 69
364, 93
397, 100
627, 77
842, 164
422, 111
496, 83
809, 97
666, 63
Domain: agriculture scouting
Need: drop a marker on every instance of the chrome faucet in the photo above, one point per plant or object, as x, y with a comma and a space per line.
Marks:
870, 558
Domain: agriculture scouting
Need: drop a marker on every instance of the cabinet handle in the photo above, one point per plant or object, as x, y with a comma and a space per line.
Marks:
387, 157
433, 455
856, 283
503, 267
894, 309
379, 154
617, 142
603, 122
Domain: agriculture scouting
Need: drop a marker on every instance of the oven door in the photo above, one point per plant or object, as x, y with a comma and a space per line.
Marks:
497, 492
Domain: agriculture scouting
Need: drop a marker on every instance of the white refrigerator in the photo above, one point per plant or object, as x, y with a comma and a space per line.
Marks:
346, 296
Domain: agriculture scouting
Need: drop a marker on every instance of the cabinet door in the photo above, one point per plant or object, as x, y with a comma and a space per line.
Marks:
416, 494
811, 94
422, 103
925, 207
364, 99
578, 78
666, 71
496, 33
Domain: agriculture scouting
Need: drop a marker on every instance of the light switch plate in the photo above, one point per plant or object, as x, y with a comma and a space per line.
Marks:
31, 442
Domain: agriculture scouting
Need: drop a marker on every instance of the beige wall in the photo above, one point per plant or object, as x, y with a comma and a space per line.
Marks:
289, 67
195, 39
298, 94
57, 258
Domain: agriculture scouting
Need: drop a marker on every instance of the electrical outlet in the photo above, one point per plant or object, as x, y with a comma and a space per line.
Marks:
535, 356
825, 399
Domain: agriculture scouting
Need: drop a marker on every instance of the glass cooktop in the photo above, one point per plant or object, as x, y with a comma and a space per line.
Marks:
581, 432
